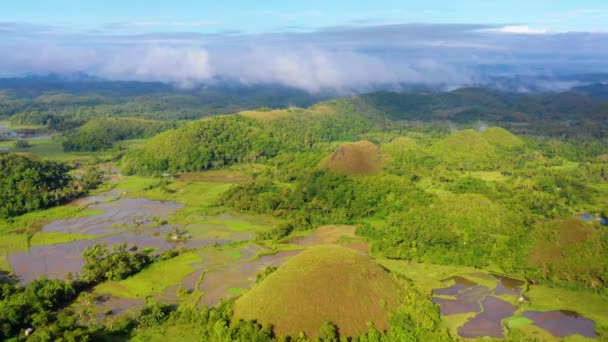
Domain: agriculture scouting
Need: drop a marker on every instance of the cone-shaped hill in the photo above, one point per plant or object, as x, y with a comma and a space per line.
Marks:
475, 147
500, 137
358, 158
322, 284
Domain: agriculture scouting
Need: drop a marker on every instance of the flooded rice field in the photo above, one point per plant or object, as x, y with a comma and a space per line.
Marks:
489, 312
56, 261
506, 285
135, 221
118, 215
562, 323
489, 321
226, 281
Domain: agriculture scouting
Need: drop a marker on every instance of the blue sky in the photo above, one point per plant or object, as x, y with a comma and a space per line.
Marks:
313, 45
273, 15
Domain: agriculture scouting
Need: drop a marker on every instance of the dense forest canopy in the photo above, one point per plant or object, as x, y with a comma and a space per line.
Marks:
28, 185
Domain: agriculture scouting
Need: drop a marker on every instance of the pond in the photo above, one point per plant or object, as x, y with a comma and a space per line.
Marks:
562, 323
490, 312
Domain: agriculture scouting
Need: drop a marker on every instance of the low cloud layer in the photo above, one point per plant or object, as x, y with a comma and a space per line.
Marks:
342, 59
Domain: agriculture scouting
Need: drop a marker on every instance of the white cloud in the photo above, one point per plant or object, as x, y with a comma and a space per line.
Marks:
519, 29
344, 59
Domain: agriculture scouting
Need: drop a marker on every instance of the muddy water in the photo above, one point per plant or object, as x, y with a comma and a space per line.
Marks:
107, 196
506, 285
563, 323
119, 212
489, 322
460, 284
216, 283
470, 297
277, 258
474, 294
455, 306
116, 306
55, 261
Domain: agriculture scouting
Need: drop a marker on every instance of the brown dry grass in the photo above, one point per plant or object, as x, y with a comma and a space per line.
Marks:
265, 115
358, 158
215, 176
322, 284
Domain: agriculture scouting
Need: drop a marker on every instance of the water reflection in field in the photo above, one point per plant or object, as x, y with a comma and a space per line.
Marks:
489, 312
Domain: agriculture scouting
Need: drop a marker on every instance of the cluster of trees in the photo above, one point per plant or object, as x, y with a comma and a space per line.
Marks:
35, 306
100, 134
44, 305
324, 197
103, 264
28, 185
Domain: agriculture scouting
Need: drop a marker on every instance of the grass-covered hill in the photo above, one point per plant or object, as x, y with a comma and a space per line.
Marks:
327, 284
358, 158
569, 249
472, 149
230, 139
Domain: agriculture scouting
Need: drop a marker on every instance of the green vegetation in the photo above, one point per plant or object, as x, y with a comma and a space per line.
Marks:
52, 238
152, 279
432, 199
103, 264
100, 134
29, 185
228, 140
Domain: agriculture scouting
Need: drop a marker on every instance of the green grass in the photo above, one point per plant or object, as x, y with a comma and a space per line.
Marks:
235, 253
9, 125
517, 322
154, 279
426, 276
168, 333
566, 166
236, 290
590, 305
11, 243
34, 220
52, 149
53, 238
322, 284
14, 231
488, 176
132, 143
463, 146
454, 322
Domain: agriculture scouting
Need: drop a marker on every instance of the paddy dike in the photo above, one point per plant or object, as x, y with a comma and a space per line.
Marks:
121, 220
56, 261
490, 312
118, 214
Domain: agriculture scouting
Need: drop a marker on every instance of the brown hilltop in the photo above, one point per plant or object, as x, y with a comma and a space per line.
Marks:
358, 158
